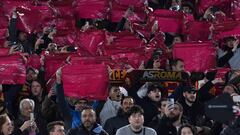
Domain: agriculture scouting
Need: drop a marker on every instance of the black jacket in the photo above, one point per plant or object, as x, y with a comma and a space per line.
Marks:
232, 129
50, 110
26, 46
150, 109
16, 132
81, 130
194, 113
165, 127
19, 122
113, 124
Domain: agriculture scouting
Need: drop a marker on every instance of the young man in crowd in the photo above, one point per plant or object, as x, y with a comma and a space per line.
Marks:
114, 123
136, 120
56, 128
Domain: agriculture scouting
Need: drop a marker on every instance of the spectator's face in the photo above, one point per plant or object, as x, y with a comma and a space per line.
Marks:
7, 127
186, 131
58, 130
88, 118
27, 109
177, 40
36, 88
176, 2
187, 10
156, 64
115, 94
127, 25
228, 89
80, 105
155, 95
163, 106
46, 30
179, 66
230, 43
31, 75
136, 120
22, 36
127, 104
175, 113
190, 96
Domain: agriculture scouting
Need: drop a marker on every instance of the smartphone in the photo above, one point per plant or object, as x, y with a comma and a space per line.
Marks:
236, 99
31, 116
72, 49
31, 119
170, 103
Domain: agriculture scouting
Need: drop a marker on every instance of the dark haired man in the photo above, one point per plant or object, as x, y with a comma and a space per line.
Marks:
89, 125
56, 128
114, 123
136, 120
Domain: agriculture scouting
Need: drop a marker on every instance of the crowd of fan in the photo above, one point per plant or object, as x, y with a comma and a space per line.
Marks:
130, 108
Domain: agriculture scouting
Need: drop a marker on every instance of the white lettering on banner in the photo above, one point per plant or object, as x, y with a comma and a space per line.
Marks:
161, 75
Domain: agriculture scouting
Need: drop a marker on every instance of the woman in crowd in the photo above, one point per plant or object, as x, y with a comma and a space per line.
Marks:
186, 130
6, 126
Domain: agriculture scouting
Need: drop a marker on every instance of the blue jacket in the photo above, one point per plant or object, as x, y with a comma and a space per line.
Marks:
70, 116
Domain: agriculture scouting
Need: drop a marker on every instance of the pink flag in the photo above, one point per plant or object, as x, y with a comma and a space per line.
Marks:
12, 70
196, 56
85, 80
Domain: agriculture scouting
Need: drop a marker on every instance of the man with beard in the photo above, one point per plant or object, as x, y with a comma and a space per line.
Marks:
89, 125
193, 110
114, 123
171, 121
136, 120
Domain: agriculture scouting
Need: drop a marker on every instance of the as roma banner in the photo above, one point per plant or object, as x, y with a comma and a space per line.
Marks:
85, 81
157, 76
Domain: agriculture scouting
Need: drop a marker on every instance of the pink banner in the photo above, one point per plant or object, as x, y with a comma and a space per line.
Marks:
135, 3
124, 41
34, 17
91, 41
224, 5
53, 62
197, 31
85, 80
13, 70
92, 9
168, 21
226, 29
196, 56
34, 62
4, 51
117, 12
